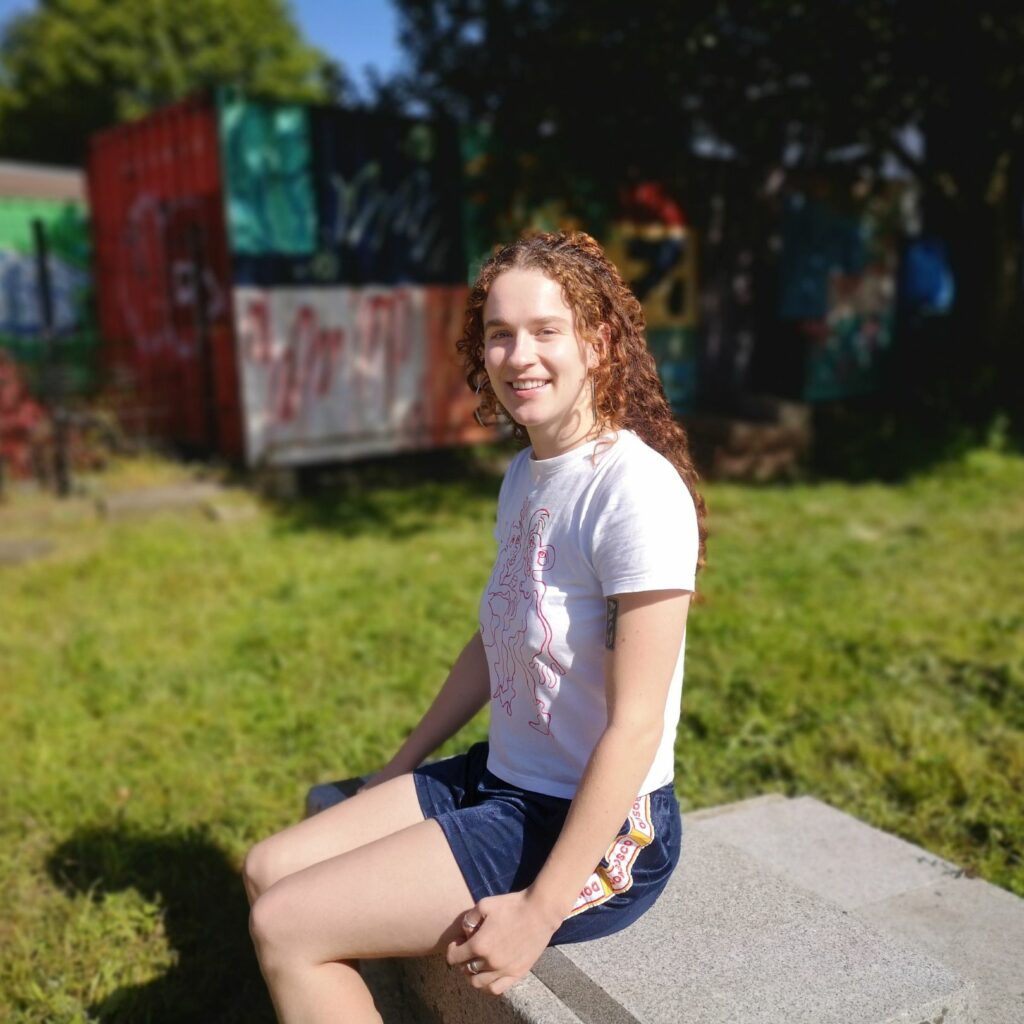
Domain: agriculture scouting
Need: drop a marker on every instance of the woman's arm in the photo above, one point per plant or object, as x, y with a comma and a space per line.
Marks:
645, 631
645, 637
466, 690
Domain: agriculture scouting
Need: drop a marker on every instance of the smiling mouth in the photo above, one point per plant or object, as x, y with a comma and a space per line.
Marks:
521, 386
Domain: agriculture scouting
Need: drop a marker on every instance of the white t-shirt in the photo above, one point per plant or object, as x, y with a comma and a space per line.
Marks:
610, 517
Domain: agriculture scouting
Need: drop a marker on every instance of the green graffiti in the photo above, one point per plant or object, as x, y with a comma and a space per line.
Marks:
267, 159
66, 228
675, 354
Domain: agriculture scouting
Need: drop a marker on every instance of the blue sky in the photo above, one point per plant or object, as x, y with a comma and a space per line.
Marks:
355, 32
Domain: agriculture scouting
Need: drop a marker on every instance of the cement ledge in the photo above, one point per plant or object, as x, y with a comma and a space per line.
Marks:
763, 923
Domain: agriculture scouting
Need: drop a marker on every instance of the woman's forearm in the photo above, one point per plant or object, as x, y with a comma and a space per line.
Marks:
466, 690
614, 774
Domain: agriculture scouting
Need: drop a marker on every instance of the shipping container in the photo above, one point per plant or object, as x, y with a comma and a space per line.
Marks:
283, 284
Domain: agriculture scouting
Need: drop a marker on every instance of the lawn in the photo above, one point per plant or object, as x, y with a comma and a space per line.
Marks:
173, 685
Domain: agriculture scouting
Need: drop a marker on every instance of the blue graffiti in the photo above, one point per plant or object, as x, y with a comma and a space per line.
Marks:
20, 306
367, 216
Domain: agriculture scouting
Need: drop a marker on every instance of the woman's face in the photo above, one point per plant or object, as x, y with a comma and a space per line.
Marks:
538, 366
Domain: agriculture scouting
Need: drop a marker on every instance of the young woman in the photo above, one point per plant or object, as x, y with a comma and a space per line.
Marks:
564, 825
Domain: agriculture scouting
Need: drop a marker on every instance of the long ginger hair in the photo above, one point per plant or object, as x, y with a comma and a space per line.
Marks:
627, 389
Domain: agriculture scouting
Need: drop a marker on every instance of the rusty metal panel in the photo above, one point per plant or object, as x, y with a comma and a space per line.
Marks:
163, 284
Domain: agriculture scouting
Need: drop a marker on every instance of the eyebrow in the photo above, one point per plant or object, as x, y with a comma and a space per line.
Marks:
497, 322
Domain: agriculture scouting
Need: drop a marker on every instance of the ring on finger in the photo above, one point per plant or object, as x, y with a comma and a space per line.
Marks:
475, 966
470, 926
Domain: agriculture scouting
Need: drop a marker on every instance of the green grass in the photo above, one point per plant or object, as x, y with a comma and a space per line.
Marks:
171, 687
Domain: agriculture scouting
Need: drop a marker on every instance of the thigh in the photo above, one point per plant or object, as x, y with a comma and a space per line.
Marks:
402, 895
361, 819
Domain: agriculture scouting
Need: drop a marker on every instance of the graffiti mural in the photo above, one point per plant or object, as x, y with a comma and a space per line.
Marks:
284, 283
23, 422
167, 271
21, 320
268, 164
362, 199
656, 253
343, 372
162, 277
837, 293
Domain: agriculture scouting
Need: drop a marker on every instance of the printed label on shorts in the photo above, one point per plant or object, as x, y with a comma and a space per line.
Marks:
614, 874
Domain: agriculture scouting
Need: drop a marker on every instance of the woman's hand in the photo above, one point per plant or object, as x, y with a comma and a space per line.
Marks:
505, 936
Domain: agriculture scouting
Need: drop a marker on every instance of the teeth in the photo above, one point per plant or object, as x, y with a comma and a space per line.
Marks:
523, 385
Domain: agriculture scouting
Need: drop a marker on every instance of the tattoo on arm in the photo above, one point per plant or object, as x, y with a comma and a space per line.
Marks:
610, 622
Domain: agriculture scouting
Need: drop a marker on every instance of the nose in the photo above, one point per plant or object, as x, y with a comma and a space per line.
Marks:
521, 349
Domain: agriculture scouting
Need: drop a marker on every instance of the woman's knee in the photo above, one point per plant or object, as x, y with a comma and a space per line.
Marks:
260, 869
268, 925
280, 931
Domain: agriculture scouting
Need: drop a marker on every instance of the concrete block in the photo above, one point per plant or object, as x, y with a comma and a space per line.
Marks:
446, 997
384, 980
826, 851
731, 941
755, 927
690, 817
28, 549
973, 927
327, 794
152, 500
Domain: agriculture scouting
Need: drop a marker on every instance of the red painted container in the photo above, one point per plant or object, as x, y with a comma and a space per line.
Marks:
282, 284
163, 280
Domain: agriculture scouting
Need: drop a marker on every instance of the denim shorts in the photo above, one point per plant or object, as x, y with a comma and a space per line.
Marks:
501, 836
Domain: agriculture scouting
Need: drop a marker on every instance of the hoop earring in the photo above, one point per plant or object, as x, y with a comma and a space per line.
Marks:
593, 398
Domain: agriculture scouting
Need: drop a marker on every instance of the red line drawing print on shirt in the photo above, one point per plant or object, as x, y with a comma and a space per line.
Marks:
517, 594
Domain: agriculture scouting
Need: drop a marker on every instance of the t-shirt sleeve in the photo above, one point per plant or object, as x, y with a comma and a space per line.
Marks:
644, 531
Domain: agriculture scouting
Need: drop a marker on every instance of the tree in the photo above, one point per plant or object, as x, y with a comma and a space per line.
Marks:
607, 92
71, 67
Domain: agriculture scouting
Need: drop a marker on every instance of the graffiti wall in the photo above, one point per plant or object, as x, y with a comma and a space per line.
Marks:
345, 372
164, 289
320, 195
349, 282
656, 252
837, 293
21, 320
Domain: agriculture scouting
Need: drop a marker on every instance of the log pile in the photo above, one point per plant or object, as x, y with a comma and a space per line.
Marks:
769, 439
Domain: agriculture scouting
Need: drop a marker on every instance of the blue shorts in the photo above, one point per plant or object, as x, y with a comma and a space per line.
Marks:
501, 836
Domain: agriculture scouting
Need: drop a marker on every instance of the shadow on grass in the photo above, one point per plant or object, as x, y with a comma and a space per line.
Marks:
216, 977
396, 497
855, 441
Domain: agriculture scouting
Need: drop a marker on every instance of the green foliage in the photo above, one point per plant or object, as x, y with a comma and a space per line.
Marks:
173, 686
72, 67
623, 90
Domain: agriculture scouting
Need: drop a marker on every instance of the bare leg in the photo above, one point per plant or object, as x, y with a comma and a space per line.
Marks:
361, 819
401, 895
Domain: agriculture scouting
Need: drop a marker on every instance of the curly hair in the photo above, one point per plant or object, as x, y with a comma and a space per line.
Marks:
627, 389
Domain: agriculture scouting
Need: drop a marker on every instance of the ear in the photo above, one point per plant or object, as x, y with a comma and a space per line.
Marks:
597, 351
